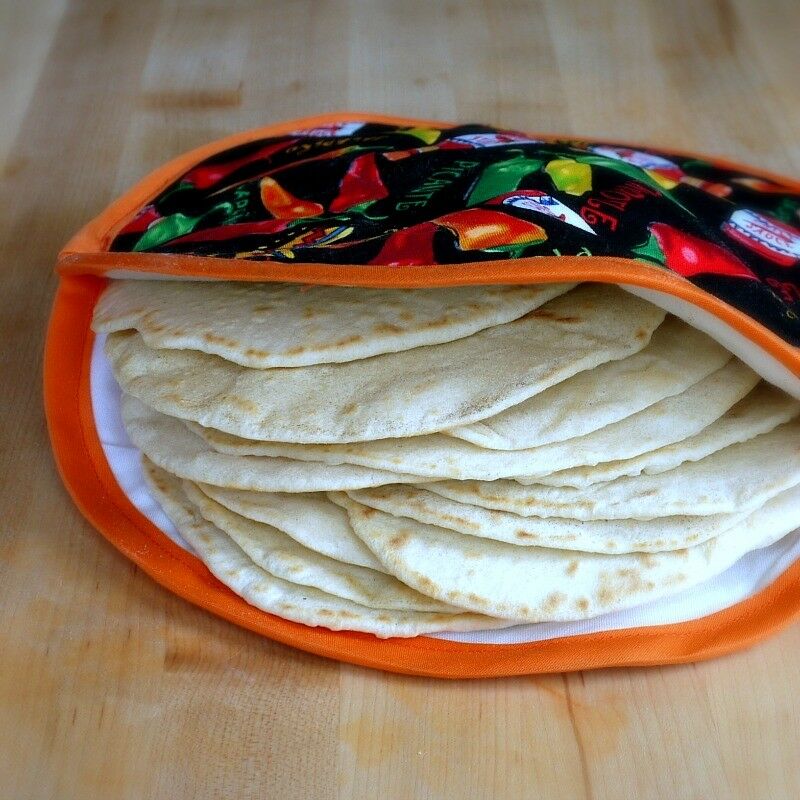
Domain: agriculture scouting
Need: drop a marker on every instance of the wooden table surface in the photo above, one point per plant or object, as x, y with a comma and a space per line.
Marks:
110, 687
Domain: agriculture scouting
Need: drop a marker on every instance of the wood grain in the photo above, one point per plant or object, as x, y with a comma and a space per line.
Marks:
110, 686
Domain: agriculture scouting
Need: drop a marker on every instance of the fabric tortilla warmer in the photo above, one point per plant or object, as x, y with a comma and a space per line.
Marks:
376, 201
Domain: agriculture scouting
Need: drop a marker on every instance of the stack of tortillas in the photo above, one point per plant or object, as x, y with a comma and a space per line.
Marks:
411, 461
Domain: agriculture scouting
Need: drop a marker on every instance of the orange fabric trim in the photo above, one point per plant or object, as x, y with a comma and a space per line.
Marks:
539, 269
86, 473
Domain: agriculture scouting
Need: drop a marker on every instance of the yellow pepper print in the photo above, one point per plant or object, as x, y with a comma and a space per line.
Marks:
570, 176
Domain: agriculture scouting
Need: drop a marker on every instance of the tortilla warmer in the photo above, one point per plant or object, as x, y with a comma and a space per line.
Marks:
375, 201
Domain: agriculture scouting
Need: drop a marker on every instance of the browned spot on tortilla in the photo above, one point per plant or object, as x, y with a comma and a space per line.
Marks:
212, 338
366, 511
582, 604
386, 327
618, 585
426, 585
647, 560
438, 323
552, 602
308, 312
416, 504
406, 316
260, 308
348, 340
641, 333
572, 567
476, 599
535, 503
245, 405
521, 534
154, 327
351, 580
254, 352
398, 540
295, 351
349, 408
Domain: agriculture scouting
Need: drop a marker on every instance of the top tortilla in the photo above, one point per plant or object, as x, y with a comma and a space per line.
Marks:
264, 325
413, 392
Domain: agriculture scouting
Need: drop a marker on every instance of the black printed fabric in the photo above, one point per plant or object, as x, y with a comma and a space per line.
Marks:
376, 194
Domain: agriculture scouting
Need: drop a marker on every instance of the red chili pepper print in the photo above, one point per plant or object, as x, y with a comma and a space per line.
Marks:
361, 184
283, 204
689, 256
409, 247
205, 176
483, 229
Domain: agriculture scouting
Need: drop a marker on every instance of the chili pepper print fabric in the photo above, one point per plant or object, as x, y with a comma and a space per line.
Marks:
378, 194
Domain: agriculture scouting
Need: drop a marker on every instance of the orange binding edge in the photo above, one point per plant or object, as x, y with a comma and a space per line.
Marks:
88, 477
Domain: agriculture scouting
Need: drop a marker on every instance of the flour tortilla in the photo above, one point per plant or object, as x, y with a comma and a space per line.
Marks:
534, 584
173, 447
309, 519
604, 395
283, 557
595, 536
263, 325
414, 392
739, 478
287, 600
760, 412
437, 456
